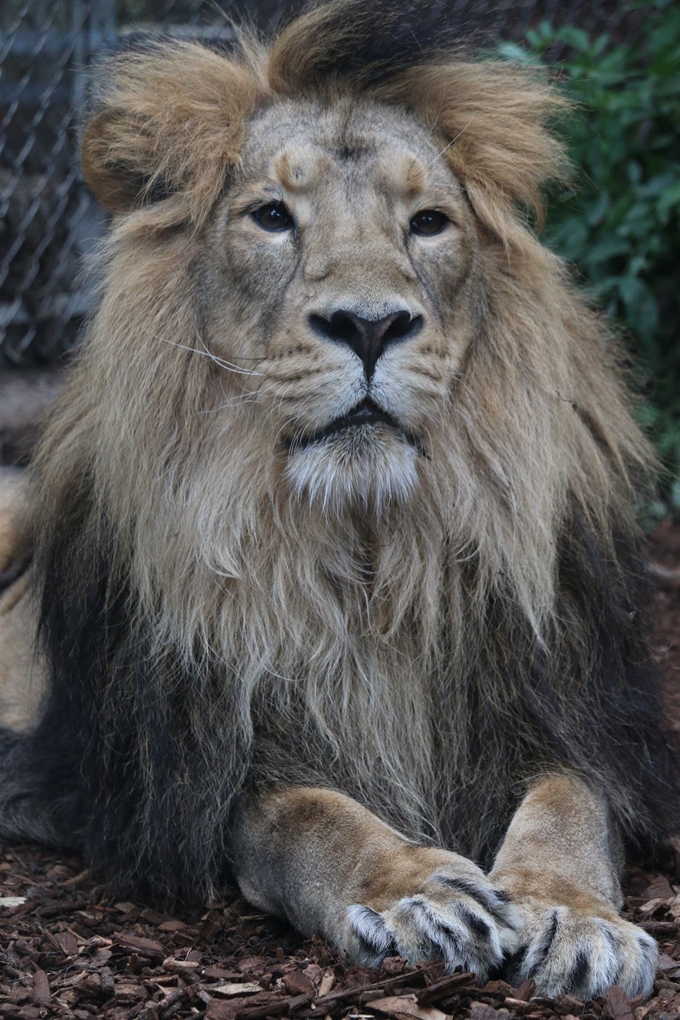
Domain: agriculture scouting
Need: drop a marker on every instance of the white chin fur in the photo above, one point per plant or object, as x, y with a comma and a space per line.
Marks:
360, 466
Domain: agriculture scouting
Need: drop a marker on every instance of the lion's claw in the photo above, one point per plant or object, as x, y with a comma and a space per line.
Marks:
461, 921
567, 951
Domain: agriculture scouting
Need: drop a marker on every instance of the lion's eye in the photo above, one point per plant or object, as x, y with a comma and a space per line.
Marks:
427, 222
274, 216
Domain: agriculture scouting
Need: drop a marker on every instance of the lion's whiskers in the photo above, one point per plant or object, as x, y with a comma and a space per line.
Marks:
452, 142
221, 362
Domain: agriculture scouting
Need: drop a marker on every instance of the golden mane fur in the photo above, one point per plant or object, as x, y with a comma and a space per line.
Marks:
297, 622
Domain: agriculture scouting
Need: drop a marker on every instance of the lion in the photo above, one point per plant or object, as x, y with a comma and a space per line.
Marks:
329, 549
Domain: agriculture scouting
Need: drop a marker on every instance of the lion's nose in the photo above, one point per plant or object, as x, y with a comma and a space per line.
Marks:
368, 338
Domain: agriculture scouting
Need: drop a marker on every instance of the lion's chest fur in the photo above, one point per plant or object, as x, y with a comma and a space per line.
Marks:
343, 658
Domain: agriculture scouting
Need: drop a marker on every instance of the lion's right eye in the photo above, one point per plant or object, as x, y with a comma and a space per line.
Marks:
273, 216
428, 222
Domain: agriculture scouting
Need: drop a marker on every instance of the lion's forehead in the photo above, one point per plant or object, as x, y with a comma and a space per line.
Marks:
304, 146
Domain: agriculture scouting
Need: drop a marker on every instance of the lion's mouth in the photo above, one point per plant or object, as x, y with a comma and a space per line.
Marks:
365, 413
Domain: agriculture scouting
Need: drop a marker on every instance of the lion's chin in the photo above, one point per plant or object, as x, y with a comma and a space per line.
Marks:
367, 466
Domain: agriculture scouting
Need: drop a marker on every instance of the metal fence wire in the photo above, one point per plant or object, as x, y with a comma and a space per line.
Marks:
48, 218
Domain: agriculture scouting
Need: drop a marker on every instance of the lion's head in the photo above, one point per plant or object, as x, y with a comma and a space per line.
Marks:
340, 277
341, 272
343, 447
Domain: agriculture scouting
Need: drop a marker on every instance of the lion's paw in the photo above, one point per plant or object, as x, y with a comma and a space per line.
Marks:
463, 921
569, 951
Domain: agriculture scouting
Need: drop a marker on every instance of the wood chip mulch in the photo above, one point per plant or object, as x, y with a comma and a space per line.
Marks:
68, 949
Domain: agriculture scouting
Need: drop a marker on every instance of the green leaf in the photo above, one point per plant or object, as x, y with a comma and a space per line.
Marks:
640, 303
675, 493
670, 198
513, 51
576, 37
607, 249
598, 210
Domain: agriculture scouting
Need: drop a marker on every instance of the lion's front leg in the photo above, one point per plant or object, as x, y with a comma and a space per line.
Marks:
331, 867
560, 862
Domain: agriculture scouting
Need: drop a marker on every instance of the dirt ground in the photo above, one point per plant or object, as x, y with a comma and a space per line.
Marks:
67, 949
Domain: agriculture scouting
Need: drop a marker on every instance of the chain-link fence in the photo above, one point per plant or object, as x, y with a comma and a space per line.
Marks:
48, 219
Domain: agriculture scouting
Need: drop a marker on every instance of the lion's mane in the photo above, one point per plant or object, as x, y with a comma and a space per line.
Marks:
206, 634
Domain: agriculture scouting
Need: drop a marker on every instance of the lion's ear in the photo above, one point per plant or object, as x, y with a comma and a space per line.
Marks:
117, 162
169, 121
495, 117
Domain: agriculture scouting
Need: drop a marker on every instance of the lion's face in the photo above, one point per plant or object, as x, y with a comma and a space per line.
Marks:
337, 279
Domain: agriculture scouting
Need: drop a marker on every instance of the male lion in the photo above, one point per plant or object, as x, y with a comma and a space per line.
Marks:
333, 555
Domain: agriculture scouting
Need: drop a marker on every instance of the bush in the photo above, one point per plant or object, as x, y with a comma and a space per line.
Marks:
620, 224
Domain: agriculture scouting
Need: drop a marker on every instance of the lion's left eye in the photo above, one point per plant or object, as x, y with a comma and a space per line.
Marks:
427, 222
273, 216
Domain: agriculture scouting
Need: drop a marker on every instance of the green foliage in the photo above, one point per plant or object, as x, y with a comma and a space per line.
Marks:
620, 224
